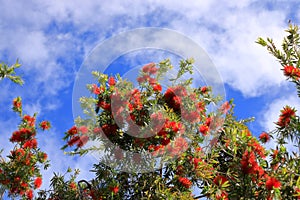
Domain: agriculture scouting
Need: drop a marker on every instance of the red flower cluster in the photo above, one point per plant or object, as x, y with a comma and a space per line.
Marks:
38, 182
222, 196
180, 145
135, 101
22, 135
75, 138
20, 170
285, 117
203, 129
225, 107
264, 137
114, 189
220, 180
17, 105
30, 144
196, 162
109, 129
173, 97
30, 121
148, 71
257, 148
111, 81
185, 182
149, 68
45, 125
297, 193
272, 183
249, 164
291, 72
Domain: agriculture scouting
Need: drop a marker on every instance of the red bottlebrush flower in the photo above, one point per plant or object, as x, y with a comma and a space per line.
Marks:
297, 193
82, 140
165, 141
248, 162
45, 156
73, 140
32, 144
208, 121
109, 129
190, 116
19, 153
225, 107
73, 185
173, 126
95, 89
83, 129
291, 71
288, 112
285, 116
204, 89
288, 70
29, 194
141, 79
257, 148
157, 87
275, 153
180, 145
28, 159
29, 120
185, 182
17, 104
146, 68
104, 105
153, 70
22, 135
179, 169
37, 182
264, 137
181, 142
97, 130
220, 180
111, 81
114, 189
173, 97
272, 183
203, 129
222, 196
169, 94
16, 137
24, 185
176, 102
200, 107
151, 148
196, 162
151, 80
45, 125
73, 131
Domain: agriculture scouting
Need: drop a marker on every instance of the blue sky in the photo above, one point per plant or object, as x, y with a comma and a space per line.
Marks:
52, 38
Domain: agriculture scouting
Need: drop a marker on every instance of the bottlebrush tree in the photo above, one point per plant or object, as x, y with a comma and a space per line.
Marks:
157, 141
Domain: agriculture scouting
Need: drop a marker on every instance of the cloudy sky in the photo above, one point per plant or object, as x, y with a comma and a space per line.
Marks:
52, 39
